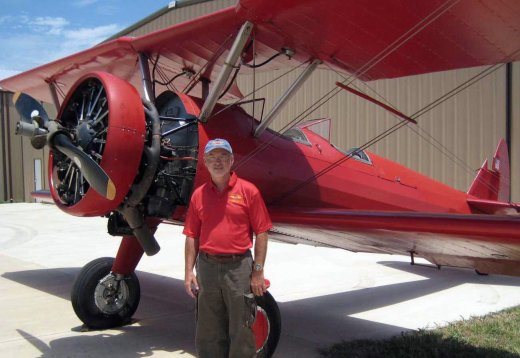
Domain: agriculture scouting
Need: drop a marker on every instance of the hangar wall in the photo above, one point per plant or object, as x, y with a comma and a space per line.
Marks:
180, 14
17, 167
449, 143
515, 134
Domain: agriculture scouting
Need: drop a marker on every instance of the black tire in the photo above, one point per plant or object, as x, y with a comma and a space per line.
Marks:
95, 305
267, 306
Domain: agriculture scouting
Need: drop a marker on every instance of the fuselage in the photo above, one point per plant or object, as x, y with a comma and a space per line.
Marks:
301, 169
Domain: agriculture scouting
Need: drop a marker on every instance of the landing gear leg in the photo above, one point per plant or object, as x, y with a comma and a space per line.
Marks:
106, 291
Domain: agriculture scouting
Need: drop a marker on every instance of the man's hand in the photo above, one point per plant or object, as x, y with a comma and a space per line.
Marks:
191, 285
258, 283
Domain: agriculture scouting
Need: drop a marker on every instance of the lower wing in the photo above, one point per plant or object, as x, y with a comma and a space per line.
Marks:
486, 243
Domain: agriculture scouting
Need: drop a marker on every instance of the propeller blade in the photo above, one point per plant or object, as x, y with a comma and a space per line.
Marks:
26, 107
93, 173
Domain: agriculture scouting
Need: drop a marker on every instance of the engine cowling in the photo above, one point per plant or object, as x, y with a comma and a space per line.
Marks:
106, 118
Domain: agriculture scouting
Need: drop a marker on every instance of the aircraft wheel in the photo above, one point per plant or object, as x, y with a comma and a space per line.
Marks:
99, 300
267, 326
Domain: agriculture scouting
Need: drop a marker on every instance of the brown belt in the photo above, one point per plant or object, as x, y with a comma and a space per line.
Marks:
224, 258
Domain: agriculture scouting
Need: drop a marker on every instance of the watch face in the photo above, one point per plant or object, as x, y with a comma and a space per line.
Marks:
258, 267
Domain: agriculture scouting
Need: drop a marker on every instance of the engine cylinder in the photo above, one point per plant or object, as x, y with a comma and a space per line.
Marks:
106, 118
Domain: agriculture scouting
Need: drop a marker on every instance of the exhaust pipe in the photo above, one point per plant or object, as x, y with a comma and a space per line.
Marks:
142, 233
132, 215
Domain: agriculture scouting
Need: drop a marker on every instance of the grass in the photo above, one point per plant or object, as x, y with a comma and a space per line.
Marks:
494, 335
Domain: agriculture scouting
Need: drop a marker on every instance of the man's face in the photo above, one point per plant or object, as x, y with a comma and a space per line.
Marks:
218, 162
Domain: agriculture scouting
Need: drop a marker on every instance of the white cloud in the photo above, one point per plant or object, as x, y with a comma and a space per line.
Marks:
44, 39
50, 25
92, 35
77, 40
83, 3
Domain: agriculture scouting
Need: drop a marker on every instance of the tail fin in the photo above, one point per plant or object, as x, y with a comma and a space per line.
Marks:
493, 184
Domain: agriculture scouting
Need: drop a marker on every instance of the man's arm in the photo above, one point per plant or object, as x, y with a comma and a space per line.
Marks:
257, 277
191, 249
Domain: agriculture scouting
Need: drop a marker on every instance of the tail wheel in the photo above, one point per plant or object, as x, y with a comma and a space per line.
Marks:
267, 326
102, 301
104, 117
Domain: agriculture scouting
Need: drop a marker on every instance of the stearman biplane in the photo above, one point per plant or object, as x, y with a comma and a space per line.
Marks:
135, 112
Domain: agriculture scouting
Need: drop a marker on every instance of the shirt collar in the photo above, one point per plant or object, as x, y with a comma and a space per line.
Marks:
232, 181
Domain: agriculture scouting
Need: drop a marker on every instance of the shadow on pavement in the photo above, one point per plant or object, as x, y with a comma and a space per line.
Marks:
164, 321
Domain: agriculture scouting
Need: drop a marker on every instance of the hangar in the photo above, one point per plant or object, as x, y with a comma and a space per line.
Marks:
449, 144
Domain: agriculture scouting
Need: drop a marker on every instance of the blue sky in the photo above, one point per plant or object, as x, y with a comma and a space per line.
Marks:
34, 32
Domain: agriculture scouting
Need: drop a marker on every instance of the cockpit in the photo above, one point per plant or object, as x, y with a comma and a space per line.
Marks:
321, 127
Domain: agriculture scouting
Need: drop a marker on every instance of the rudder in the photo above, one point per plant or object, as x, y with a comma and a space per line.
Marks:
493, 184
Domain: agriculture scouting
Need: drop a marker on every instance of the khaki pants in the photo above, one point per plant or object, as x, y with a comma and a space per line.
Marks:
225, 309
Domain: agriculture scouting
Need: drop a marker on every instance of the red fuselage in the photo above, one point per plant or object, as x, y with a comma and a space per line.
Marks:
294, 174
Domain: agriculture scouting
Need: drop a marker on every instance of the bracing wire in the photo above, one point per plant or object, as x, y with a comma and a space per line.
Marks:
408, 35
395, 127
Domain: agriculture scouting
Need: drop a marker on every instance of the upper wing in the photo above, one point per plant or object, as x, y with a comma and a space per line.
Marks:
371, 39
384, 39
488, 243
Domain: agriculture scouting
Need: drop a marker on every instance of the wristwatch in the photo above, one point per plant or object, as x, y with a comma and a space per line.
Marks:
258, 267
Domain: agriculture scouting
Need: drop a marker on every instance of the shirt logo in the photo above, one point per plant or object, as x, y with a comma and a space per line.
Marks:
235, 199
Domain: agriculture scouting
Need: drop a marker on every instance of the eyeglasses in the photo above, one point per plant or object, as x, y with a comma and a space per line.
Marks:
218, 158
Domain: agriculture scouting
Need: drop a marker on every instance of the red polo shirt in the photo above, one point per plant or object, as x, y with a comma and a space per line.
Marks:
224, 222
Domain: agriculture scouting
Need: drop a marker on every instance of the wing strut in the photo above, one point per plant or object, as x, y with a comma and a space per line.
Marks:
146, 79
375, 101
286, 96
54, 95
229, 64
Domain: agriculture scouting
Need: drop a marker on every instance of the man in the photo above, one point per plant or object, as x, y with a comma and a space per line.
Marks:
221, 218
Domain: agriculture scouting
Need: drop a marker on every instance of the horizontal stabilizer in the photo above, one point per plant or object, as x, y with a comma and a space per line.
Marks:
494, 207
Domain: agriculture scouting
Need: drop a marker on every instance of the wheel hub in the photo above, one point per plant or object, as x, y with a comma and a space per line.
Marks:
111, 294
261, 328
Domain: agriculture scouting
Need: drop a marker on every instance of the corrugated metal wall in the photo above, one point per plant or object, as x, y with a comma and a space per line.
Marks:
515, 135
182, 14
17, 176
449, 143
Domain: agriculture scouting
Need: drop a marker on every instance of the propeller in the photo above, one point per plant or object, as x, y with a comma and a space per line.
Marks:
34, 118
93, 173
30, 109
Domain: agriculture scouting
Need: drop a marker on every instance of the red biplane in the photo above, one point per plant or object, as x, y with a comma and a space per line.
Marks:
126, 142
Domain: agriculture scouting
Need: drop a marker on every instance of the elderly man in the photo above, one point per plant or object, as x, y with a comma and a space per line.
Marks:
222, 216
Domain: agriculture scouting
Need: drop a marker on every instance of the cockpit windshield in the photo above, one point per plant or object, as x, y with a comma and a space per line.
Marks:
296, 135
356, 153
321, 127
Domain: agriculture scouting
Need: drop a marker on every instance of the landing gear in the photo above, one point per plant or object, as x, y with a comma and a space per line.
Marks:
267, 326
102, 299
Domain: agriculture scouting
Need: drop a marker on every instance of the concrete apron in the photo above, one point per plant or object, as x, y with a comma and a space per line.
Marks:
324, 295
